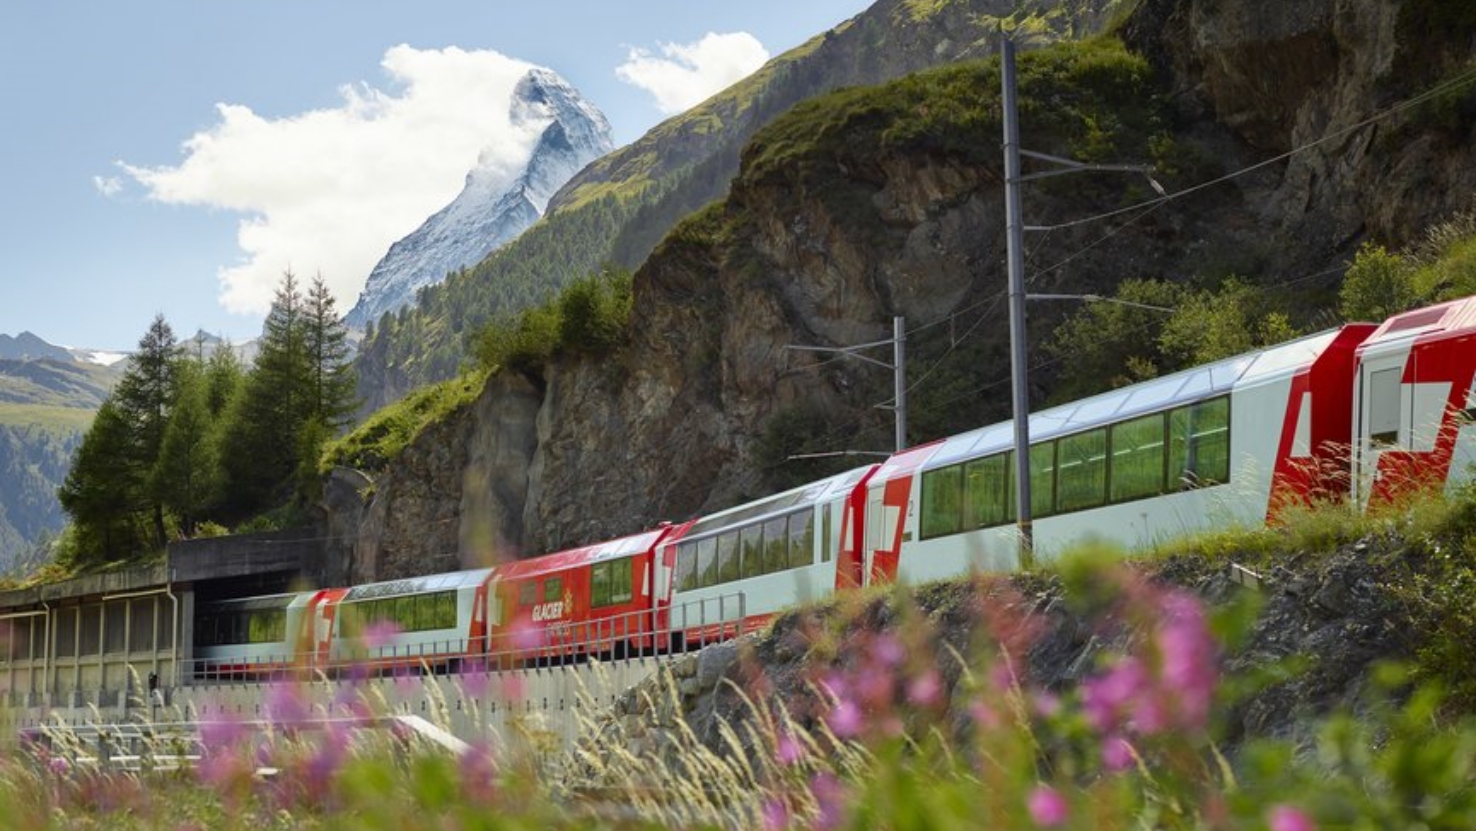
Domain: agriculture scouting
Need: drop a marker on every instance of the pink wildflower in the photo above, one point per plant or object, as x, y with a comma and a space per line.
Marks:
845, 719
830, 798
1117, 754
925, 690
286, 706
59, 766
787, 750
1047, 807
888, 651
1289, 818
380, 633
776, 815
984, 715
1189, 655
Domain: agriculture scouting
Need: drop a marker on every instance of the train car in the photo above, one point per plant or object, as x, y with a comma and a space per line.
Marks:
741, 565
435, 622
251, 638
596, 599
1211, 447
1414, 406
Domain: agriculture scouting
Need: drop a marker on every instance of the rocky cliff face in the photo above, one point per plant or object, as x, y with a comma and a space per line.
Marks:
824, 248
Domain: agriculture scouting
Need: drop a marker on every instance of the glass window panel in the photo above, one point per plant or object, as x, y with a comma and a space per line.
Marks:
727, 554
986, 492
686, 576
528, 593
1042, 478
942, 502
827, 534
707, 562
801, 539
1082, 479
776, 544
599, 584
553, 589
621, 580
1199, 443
1382, 396
753, 550
1137, 458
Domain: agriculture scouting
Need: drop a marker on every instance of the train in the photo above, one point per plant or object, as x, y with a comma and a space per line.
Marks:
1363, 412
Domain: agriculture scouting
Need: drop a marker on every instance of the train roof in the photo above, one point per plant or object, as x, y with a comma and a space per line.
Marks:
1196, 384
790, 500
428, 584
582, 556
1446, 319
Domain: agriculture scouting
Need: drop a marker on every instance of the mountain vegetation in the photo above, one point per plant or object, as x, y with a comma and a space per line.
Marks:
185, 443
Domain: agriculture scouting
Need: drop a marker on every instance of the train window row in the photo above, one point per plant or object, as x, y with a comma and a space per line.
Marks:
1179, 449
772, 545
224, 627
409, 613
553, 589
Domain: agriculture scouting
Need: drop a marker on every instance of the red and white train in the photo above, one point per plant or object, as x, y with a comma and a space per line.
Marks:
1365, 412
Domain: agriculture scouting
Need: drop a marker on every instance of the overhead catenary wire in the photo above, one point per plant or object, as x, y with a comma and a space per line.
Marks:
1138, 211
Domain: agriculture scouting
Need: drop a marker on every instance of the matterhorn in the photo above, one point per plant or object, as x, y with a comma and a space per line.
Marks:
492, 209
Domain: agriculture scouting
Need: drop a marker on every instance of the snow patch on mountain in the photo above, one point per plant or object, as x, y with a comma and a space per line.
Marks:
495, 205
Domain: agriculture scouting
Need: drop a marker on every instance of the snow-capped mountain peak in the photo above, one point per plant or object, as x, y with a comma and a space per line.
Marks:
495, 204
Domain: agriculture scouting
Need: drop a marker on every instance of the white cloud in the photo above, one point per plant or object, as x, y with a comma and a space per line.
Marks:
327, 191
685, 75
108, 186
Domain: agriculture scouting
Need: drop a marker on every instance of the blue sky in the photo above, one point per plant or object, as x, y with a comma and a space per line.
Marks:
169, 155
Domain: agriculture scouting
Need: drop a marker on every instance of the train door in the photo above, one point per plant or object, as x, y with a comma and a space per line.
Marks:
1382, 420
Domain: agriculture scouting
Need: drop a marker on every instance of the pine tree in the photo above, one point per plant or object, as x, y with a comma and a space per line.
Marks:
260, 444
144, 396
328, 357
102, 490
186, 473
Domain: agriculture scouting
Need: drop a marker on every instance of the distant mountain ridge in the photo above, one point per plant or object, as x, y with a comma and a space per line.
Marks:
491, 210
48, 395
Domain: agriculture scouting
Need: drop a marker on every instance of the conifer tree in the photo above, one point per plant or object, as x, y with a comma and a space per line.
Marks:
260, 445
144, 396
187, 472
102, 490
326, 339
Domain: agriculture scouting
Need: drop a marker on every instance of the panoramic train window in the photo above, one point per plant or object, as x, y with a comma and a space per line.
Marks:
528, 593
942, 501
1137, 458
610, 582
1082, 480
776, 544
1042, 479
801, 539
727, 553
553, 589
408, 613
988, 492
753, 550
1199, 443
1118, 463
707, 573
